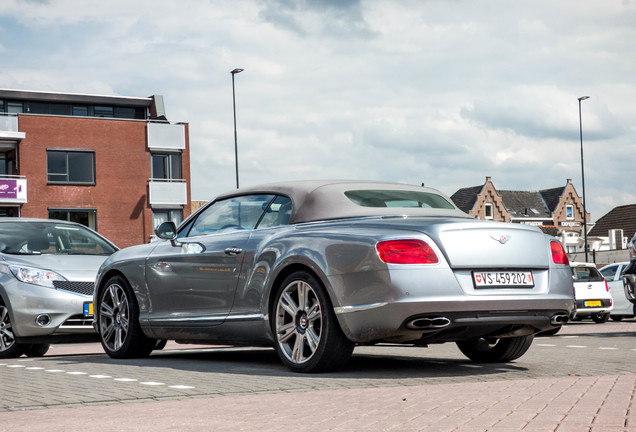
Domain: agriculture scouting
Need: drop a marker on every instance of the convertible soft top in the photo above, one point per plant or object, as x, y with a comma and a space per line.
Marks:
315, 200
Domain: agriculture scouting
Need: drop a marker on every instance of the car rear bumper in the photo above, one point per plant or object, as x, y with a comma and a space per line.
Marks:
436, 322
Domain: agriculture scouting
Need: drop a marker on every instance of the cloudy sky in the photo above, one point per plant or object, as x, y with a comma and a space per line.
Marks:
424, 91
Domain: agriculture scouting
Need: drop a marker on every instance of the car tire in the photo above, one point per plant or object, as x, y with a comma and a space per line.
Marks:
9, 348
36, 350
629, 284
617, 318
161, 344
118, 321
485, 350
307, 335
600, 317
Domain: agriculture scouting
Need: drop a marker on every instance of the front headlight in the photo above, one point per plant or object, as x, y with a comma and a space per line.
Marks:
36, 276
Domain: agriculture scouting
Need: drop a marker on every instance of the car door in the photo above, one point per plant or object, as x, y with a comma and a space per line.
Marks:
192, 283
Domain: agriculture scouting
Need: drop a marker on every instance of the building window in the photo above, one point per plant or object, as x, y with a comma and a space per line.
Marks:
70, 166
80, 110
569, 212
104, 111
86, 217
160, 216
166, 166
488, 211
15, 108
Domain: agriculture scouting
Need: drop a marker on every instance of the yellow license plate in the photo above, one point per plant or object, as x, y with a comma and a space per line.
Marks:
593, 303
88, 310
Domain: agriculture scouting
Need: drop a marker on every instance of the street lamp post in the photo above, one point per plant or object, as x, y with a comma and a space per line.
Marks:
582, 98
234, 72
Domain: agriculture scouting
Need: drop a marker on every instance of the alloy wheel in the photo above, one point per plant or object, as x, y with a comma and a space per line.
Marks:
7, 339
298, 321
114, 317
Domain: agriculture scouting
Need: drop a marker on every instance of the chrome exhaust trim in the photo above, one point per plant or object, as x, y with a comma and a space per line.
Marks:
559, 319
428, 323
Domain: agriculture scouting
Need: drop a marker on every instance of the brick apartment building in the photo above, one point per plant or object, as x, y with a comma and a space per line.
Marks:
115, 164
557, 211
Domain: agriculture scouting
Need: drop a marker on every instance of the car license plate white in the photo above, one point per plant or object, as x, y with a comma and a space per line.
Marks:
503, 279
88, 310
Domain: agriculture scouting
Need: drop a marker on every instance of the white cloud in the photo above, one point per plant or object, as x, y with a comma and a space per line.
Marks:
441, 92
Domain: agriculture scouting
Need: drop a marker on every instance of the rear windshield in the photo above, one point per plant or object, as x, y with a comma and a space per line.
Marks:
398, 198
46, 238
586, 274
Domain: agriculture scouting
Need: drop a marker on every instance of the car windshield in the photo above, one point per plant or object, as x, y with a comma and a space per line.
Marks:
39, 238
586, 274
398, 198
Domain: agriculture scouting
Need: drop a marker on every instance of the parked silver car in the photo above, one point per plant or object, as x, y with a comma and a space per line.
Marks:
314, 268
47, 276
623, 307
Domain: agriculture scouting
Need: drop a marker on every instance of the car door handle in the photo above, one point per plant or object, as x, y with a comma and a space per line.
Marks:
233, 251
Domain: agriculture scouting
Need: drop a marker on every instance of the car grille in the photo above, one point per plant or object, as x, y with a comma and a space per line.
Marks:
84, 288
78, 321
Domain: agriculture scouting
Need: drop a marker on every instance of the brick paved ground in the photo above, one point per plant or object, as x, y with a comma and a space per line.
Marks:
398, 396
574, 404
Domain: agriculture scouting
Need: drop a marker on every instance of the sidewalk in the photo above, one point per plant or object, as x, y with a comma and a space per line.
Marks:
564, 404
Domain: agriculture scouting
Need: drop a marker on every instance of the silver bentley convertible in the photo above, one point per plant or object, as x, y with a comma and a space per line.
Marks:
315, 268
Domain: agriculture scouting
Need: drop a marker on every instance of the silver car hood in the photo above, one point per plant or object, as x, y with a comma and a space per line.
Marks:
72, 267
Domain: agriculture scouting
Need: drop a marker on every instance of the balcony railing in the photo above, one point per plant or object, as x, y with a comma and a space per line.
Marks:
9, 127
166, 136
168, 192
13, 189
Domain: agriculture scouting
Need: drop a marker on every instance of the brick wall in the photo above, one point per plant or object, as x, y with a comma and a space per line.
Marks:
122, 170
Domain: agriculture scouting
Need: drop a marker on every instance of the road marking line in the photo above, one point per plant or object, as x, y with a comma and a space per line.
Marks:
77, 373
125, 379
100, 376
506, 370
471, 366
548, 345
181, 387
152, 383
34, 368
608, 348
576, 346
15, 366
54, 370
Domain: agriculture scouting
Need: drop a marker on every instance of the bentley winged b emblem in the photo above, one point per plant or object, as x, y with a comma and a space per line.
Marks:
501, 238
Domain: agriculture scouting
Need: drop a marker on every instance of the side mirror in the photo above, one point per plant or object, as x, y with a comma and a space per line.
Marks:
166, 231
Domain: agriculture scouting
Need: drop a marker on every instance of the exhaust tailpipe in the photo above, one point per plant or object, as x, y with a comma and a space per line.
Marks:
559, 319
428, 323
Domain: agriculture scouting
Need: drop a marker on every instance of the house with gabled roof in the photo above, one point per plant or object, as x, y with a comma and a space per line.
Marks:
614, 230
557, 211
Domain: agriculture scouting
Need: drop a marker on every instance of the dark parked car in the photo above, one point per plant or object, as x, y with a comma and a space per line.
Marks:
313, 268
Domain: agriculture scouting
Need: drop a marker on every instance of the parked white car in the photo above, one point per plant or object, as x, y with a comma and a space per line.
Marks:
591, 292
613, 274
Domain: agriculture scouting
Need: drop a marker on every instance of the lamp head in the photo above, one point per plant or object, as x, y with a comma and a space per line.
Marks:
237, 70
582, 98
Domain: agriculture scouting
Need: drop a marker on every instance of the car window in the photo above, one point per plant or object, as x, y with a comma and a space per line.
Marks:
277, 214
44, 238
237, 213
609, 272
586, 274
398, 198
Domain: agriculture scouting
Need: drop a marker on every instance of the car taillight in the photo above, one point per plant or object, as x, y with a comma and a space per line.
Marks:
406, 252
606, 285
558, 253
